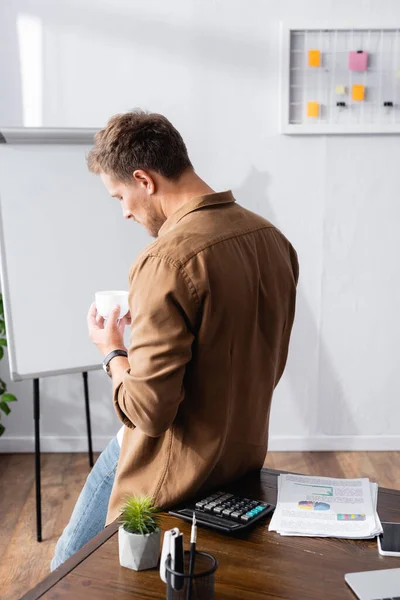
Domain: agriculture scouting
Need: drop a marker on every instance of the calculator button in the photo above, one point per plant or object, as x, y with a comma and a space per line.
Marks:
227, 511
218, 510
208, 507
201, 504
245, 518
236, 514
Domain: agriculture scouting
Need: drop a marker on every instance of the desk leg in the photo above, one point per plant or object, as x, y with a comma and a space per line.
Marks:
36, 417
88, 425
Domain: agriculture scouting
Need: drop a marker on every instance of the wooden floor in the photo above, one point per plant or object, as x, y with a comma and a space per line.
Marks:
24, 562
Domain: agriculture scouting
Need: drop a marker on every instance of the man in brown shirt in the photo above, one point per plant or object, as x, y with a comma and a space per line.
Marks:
212, 303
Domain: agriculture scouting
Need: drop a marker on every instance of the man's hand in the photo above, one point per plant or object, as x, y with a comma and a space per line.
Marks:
110, 337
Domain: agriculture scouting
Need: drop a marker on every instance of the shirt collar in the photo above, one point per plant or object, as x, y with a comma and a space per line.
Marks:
199, 202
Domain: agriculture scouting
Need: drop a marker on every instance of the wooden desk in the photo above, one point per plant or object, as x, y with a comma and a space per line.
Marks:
252, 566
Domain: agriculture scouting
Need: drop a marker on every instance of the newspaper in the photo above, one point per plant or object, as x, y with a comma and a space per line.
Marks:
326, 507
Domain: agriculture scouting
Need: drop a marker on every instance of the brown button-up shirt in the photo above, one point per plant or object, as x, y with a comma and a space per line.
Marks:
212, 302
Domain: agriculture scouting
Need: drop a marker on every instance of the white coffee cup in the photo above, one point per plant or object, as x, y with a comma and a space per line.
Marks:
106, 301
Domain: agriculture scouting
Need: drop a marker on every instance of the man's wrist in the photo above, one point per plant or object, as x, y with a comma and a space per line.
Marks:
118, 367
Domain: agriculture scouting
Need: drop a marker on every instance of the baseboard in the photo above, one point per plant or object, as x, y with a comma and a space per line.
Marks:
282, 443
50, 443
277, 443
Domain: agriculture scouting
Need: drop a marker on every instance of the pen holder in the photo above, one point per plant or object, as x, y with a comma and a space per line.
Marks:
199, 585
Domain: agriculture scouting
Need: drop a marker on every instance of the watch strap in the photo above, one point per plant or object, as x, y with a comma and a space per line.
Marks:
112, 355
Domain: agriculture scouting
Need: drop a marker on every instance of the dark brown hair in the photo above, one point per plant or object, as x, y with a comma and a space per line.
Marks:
138, 140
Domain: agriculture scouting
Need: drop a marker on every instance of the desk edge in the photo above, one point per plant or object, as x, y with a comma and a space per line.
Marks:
55, 576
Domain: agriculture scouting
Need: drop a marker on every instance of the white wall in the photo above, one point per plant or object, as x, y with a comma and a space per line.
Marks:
211, 66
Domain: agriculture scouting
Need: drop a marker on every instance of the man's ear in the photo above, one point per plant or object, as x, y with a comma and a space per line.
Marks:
145, 180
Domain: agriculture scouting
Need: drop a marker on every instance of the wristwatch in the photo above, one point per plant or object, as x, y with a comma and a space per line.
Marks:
109, 357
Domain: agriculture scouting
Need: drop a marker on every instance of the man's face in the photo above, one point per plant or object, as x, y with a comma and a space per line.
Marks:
137, 201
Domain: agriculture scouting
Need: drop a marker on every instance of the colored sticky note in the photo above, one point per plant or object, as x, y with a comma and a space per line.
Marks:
314, 58
358, 93
358, 61
312, 109
340, 90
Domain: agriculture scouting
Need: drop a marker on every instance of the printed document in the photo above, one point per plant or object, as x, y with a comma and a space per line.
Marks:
326, 507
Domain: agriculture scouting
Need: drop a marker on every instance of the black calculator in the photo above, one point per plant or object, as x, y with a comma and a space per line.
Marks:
224, 512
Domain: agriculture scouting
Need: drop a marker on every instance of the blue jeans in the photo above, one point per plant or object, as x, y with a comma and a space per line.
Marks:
89, 515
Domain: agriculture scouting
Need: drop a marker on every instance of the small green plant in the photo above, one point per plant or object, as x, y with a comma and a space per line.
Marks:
5, 398
139, 515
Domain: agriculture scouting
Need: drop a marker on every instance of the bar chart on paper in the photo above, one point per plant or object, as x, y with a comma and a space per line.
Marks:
340, 81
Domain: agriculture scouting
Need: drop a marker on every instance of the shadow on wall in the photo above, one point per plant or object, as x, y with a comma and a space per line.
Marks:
318, 391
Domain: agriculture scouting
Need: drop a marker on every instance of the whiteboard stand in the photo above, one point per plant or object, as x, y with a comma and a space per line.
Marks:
43, 136
36, 420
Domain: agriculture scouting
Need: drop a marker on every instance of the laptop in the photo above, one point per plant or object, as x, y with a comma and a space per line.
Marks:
375, 585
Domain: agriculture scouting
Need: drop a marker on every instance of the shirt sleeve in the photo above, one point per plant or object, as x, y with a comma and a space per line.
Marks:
163, 304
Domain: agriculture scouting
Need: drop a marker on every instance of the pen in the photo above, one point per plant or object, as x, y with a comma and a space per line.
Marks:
193, 538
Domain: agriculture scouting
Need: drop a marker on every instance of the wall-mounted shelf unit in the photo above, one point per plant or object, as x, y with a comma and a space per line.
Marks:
340, 80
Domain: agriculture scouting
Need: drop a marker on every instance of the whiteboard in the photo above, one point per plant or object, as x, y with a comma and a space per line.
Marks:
62, 239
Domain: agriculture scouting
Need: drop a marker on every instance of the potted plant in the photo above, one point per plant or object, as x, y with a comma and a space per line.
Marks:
139, 534
5, 398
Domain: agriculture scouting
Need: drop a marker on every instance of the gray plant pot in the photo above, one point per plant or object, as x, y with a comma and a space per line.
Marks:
138, 552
